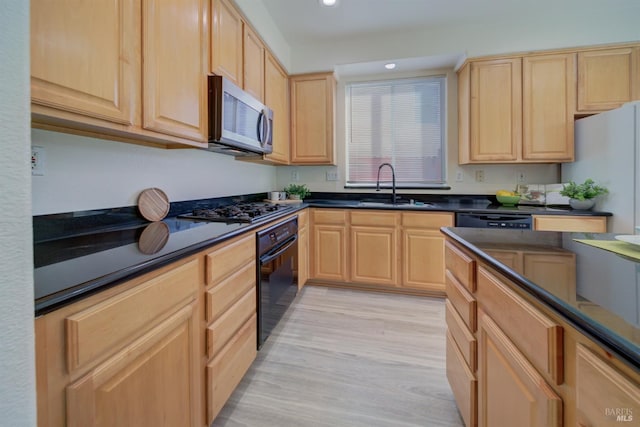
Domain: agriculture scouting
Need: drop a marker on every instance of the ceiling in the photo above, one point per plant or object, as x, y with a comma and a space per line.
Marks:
305, 22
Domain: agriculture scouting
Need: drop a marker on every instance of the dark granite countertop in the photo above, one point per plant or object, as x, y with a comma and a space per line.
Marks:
79, 253
76, 256
443, 203
605, 303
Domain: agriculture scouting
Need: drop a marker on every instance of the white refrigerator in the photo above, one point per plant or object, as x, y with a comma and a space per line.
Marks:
607, 149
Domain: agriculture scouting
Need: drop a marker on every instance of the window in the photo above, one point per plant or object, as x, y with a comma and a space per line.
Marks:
400, 122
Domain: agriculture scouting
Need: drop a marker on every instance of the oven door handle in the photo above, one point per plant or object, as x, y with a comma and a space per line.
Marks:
270, 256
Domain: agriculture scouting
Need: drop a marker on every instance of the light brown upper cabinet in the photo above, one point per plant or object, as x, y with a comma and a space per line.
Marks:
549, 93
87, 62
607, 78
253, 49
175, 67
312, 119
276, 96
111, 68
226, 41
517, 110
490, 117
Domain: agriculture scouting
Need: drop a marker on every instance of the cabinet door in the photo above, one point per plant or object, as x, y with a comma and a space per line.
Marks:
253, 49
555, 272
608, 78
423, 259
496, 110
510, 391
512, 259
549, 93
174, 57
374, 255
329, 251
312, 118
604, 396
226, 41
85, 57
276, 97
154, 381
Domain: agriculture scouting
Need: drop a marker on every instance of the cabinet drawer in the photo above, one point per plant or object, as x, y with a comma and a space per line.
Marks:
536, 335
220, 331
374, 218
461, 265
595, 224
461, 300
221, 296
226, 370
329, 216
427, 220
230, 257
105, 327
463, 338
463, 383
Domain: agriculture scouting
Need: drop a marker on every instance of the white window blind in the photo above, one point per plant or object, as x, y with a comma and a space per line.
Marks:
399, 122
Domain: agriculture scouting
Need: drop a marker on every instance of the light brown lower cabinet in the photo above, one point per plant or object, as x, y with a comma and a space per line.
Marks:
329, 245
423, 249
127, 356
533, 367
392, 250
464, 384
225, 371
604, 396
374, 247
511, 391
584, 224
231, 336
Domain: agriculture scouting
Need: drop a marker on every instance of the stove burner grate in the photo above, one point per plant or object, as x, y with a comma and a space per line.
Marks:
244, 212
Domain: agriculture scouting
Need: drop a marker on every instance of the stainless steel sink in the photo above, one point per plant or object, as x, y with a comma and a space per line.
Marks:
334, 202
399, 204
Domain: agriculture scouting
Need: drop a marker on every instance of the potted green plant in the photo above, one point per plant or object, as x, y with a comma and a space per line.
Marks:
297, 191
581, 196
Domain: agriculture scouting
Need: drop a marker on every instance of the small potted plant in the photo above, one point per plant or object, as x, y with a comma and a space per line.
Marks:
297, 191
582, 196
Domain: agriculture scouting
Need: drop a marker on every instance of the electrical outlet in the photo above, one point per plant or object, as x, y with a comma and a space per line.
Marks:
521, 178
459, 176
295, 175
480, 176
332, 174
38, 157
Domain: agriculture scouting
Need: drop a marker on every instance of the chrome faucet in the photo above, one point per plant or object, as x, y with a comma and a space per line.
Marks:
393, 186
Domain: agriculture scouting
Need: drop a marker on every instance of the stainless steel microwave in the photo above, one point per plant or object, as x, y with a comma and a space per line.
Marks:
239, 124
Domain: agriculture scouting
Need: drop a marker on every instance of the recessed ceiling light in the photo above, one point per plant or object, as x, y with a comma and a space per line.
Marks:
390, 66
328, 3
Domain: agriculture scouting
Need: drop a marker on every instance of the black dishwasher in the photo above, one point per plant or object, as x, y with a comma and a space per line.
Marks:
494, 220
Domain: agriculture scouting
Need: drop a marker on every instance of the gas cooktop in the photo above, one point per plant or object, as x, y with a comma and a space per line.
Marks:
243, 212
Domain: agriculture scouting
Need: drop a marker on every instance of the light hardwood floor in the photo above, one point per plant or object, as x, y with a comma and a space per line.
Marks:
349, 358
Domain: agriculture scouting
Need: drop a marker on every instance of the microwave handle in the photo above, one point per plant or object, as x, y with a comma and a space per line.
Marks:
263, 128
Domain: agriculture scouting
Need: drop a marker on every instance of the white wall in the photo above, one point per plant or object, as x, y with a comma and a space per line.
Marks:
84, 173
17, 366
259, 17
496, 177
559, 27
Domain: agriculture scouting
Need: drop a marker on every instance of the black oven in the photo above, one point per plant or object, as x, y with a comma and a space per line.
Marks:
277, 247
